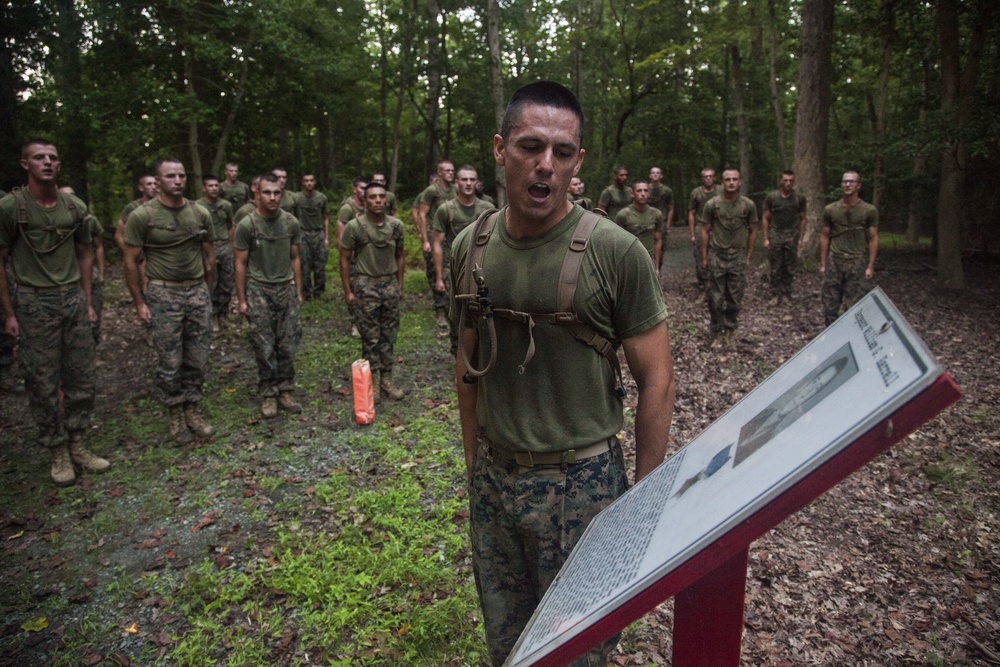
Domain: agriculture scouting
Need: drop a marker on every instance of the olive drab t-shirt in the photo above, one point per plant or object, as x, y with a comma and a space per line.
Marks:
849, 227
642, 224
731, 222
243, 211
52, 262
171, 239
312, 211
374, 246
786, 212
661, 197
563, 398
269, 244
236, 194
699, 198
453, 216
349, 210
613, 199
222, 217
290, 202
128, 208
434, 195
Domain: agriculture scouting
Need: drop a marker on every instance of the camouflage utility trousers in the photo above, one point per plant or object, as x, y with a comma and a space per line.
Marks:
225, 277
726, 284
313, 253
781, 256
182, 334
524, 522
275, 332
8, 342
700, 272
97, 300
440, 299
376, 312
843, 283
57, 354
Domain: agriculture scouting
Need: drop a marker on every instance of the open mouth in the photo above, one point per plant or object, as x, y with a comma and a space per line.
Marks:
539, 191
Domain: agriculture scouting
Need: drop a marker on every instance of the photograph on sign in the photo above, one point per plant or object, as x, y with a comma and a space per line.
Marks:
861, 369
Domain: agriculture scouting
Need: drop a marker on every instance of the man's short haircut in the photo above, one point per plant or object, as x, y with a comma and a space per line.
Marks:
270, 178
443, 162
370, 185
358, 180
852, 170
256, 179
308, 173
640, 180
541, 93
736, 169
232, 164
467, 167
141, 178
274, 169
619, 168
788, 172
164, 160
708, 169
33, 142
209, 177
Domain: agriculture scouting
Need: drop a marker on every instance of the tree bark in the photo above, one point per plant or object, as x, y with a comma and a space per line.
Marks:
227, 127
73, 137
496, 85
406, 51
434, 69
812, 118
776, 98
887, 34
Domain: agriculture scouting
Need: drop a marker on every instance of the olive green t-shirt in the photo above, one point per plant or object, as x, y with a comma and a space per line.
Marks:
849, 227
243, 211
613, 199
128, 208
582, 202
312, 211
222, 217
290, 202
434, 195
786, 212
661, 197
236, 194
699, 198
452, 217
171, 240
731, 222
644, 225
563, 398
373, 246
349, 210
269, 242
52, 263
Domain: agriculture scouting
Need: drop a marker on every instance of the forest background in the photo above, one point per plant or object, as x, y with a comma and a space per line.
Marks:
904, 91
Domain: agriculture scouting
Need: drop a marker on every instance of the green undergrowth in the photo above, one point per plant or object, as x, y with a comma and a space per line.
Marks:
382, 578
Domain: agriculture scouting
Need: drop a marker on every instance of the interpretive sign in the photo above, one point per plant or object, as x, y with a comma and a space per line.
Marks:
864, 368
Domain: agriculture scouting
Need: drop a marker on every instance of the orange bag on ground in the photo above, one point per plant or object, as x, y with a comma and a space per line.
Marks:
364, 394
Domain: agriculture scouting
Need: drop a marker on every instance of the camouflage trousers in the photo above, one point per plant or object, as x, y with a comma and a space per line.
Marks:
449, 283
7, 342
440, 299
312, 253
843, 283
57, 354
726, 284
523, 523
376, 311
225, 278
782, 256
700, 272
275, 332
97, 299
182, 334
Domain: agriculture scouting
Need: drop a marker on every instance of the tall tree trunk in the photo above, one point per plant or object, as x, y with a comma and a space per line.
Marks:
234, 108
958, 85
739, 85
496, 85
10, 172
435, 67
776, 98
194, 180
383, 86
813, 118
915, 213
406, 51
74, 132
887, 33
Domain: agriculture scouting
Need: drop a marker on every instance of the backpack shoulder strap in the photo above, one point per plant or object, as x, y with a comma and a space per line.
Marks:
573, 260
484, 227
22, 206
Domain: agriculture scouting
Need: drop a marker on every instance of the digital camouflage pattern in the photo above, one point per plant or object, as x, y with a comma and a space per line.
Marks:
696, 202
57, 354
782, 258
182, 334
546, 509
843, 283
312, 256
225, 277
275, 331
725, 287
376, 313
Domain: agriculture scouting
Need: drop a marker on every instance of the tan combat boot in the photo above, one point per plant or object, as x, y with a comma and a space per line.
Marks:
388, 388
286, 401
441, 319
62, 468
178, 428
83, 458
196, 421
269, 407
